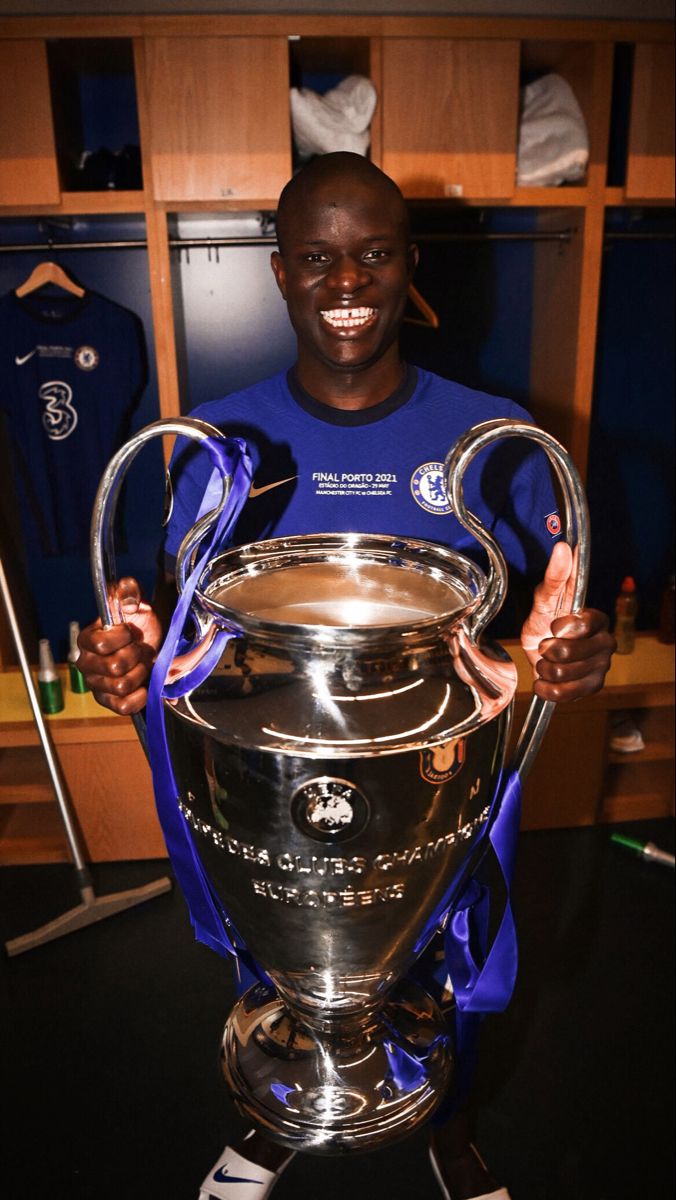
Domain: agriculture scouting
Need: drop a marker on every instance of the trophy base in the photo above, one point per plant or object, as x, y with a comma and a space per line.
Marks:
330, 1093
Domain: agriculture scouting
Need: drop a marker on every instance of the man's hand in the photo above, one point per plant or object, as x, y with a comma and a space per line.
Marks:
116, 662
571, 654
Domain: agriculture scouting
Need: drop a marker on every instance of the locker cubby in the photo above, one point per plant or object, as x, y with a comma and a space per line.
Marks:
95, 114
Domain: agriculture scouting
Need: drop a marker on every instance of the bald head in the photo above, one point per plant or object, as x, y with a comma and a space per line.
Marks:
337, 176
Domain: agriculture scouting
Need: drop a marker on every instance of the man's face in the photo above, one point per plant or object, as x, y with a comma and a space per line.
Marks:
344, 273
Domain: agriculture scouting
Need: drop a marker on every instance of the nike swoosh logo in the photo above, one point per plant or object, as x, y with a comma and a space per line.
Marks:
258, 491
221, 1176
21, 360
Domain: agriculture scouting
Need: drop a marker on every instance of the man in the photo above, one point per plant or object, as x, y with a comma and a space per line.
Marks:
352, 439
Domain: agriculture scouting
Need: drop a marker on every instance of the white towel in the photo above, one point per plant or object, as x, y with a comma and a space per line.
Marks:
553, 139
338, 120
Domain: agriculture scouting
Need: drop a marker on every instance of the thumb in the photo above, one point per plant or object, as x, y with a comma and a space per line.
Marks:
128, 597
557, 574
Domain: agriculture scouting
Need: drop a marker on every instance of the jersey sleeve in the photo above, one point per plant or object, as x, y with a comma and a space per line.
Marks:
529, 523
193, 487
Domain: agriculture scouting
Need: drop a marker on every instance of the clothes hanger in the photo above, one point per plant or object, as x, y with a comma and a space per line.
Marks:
431, 320
49, 272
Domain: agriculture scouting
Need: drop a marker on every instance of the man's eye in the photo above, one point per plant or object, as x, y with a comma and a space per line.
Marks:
375, 255
315, 258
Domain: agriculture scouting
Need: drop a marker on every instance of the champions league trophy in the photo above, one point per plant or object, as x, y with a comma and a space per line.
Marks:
334, 733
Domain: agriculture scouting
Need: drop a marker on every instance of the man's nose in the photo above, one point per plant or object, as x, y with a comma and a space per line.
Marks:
348, 274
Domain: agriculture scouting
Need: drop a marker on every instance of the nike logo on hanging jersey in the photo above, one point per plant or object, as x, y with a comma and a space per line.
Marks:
258, 491
21, 359
222, 1176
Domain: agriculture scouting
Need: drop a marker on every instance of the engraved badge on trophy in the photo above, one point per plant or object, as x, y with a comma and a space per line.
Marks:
336, 729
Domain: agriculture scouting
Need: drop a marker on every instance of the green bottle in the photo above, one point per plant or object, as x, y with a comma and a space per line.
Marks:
77, 679
49, 684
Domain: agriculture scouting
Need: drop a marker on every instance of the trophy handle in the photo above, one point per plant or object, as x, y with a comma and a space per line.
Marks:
576, 533
102, 541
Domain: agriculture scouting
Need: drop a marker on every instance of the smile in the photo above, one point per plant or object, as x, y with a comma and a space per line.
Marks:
347, 318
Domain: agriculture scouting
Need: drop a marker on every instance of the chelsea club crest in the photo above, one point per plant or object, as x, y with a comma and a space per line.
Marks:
86, 358
428, 488
438, 764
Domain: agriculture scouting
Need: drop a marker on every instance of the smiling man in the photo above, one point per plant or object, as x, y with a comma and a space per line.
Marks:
352, 439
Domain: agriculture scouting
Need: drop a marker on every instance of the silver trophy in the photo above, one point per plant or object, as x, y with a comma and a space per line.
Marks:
336, 768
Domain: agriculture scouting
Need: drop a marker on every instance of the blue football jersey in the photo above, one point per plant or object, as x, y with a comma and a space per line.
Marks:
72, 371
379, 470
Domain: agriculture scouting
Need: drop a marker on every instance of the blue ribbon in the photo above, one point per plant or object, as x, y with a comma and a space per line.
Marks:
483, 977
210, 921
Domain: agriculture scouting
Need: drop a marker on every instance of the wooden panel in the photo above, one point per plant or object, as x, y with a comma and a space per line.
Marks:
28, 173
32, 833
219, 121
650, 165
557, 276
638, 789
112, 794
565, 784
450, 116
24, 778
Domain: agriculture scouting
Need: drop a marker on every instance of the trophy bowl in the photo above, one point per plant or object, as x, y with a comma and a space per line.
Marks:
336, 730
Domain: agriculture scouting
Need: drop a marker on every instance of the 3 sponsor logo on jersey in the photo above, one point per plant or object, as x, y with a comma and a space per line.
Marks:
428, 488
60, 416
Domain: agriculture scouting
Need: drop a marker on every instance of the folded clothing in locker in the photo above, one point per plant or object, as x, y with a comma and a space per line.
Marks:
338, 120
553, 139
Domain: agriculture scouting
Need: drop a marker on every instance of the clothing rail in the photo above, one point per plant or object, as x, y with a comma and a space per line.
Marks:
269, 240
563, 235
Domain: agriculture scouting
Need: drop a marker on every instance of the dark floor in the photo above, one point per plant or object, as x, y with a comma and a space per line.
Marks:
110, 1040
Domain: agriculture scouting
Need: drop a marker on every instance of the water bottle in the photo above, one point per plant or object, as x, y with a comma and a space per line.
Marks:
626, 607
49, 683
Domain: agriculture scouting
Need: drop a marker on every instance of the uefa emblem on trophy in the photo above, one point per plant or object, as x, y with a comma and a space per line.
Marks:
328, 737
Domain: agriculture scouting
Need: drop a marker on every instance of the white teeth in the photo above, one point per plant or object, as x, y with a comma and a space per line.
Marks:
347, 318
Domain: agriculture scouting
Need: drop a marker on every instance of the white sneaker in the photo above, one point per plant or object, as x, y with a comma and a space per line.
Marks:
233, 1177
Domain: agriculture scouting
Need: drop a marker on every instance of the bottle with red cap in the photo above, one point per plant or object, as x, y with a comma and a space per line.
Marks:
626, 607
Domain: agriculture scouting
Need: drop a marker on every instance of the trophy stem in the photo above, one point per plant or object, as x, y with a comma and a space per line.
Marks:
355, 1083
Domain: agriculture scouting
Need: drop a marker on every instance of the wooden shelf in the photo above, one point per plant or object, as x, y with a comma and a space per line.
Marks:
81, 715
644, 679
576, 780
31, 834
24, 778
104, 770
653, 752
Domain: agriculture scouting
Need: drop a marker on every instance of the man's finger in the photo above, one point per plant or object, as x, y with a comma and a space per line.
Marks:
568, 670
128, 597
124, 706
559, 569
586, 623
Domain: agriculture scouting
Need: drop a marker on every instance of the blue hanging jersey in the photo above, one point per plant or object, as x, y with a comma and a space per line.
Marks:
72, 371
378, 470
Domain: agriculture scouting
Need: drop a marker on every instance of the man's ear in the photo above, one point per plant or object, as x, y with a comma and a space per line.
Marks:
277, 264
413, 258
